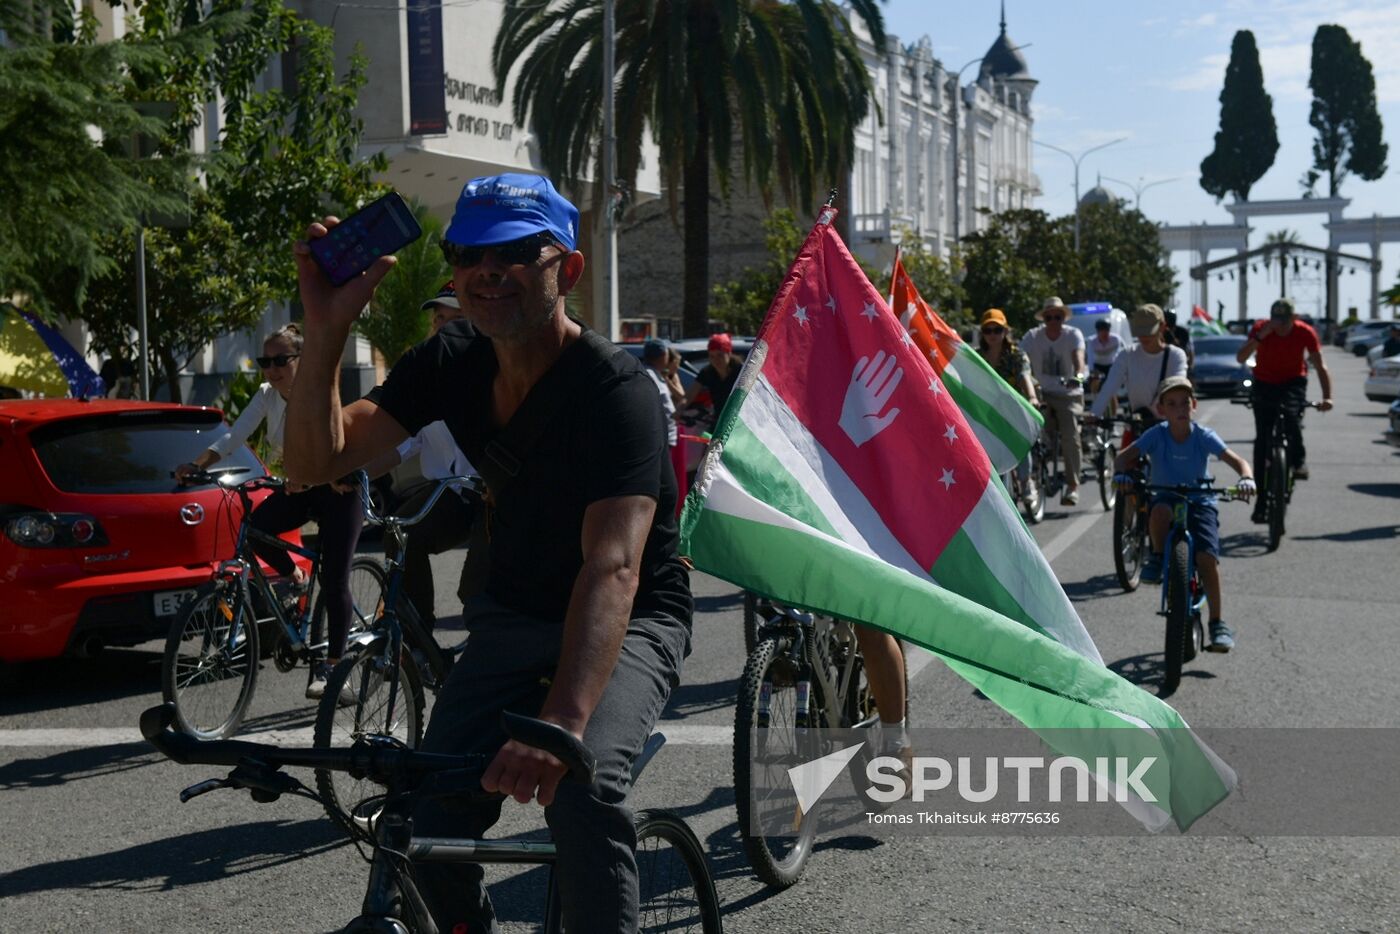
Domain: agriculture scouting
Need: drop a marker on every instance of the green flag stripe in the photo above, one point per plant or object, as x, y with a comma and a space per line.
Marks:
976, 393
763, 476
1043, 684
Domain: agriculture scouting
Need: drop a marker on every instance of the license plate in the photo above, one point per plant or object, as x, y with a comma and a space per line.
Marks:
168, 602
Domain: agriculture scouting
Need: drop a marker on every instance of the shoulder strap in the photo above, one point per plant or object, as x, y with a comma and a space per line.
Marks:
562, 384
1166, 355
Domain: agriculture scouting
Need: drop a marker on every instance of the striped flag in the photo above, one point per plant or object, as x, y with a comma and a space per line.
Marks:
1202, 324
1000, 417
842, 478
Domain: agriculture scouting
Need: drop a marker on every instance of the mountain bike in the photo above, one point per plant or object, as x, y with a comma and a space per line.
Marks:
1100, 449
805, 671
1276, 490
1183, 594
377, 688
1029, 493
210, 668
677, 891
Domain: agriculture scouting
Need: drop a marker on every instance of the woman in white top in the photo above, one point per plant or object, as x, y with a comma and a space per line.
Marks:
335, 507
1141, 369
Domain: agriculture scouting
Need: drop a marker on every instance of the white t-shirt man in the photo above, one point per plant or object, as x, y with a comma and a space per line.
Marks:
1102, 353
1053, 359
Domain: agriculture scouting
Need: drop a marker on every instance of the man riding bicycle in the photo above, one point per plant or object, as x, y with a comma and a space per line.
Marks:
586, 612
1283, 347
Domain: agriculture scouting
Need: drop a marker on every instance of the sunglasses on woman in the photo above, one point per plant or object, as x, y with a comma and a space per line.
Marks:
282, 359
994, 329
512, 253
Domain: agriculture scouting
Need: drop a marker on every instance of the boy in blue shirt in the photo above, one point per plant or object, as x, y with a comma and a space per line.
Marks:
1180, 451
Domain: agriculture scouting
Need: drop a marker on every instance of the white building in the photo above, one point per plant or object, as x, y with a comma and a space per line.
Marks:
904, 175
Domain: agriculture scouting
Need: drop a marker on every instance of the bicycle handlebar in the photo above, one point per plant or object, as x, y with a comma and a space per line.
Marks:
1185, 489
222, 476
1248, 402
470, 483
375, 761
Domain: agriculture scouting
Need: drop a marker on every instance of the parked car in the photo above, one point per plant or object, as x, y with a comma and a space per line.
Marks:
98, 545
1364, 333
1216, 371
1383, 382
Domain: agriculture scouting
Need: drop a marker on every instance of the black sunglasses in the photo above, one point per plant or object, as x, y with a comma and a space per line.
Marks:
512, 253
282, 359
993, 329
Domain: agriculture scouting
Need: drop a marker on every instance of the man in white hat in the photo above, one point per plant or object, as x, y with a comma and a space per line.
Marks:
1057, 360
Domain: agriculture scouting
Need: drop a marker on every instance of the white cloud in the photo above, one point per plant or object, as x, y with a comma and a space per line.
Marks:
1201, 22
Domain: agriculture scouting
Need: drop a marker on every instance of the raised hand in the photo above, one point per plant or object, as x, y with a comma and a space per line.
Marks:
325, 304
872, 385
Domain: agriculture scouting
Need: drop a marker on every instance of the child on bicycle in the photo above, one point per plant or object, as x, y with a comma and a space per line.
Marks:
1180, 451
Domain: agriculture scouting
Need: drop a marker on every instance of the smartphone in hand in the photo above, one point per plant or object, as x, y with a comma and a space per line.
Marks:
378, 229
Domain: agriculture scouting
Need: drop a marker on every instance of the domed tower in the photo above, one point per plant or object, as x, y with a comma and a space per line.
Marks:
1004, 64
1098, 195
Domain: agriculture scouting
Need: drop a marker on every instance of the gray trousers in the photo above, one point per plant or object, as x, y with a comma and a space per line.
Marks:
507, 665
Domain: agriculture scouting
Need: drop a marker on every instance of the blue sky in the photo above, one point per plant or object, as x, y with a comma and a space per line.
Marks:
1152, 73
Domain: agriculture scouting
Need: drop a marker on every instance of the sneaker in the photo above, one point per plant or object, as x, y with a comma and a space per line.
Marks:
1070, 497
1260, 515
1152, 570
1301, 472
1222, 637
316, 687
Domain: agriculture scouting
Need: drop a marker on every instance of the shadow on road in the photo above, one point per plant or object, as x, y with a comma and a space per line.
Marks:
1096, 587
75, 764
697, 698
722, 601
1146, 671
53, 684
1391, 490
163, 865
1378, 533
1244, 545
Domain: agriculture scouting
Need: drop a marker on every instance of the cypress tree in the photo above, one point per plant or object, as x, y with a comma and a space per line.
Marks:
1247, 141
1344, 112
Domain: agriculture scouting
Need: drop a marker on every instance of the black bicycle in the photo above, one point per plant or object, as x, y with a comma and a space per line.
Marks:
1276, 490
378, 686
210, 668
805, 671
677, 891
1130, 514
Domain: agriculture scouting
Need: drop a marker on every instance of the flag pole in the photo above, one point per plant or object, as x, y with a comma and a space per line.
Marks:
893, 267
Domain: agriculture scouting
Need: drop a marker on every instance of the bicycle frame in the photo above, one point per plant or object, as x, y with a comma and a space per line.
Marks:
809, 639
1180, 529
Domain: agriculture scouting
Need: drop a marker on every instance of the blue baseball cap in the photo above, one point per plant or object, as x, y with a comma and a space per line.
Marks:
654, 348
500, 208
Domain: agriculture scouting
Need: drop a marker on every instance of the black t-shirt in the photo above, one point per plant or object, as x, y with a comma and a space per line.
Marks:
608, 440
720, 386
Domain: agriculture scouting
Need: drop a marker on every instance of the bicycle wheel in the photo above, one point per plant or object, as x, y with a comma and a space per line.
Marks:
363, 680
1103, 462
777, 838
751, 622
366, 600
210, 666
1278, 495
1128, 545
1178, 615
676, 890
1033, 499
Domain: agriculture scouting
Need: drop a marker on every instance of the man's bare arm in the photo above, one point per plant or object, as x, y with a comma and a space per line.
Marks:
614, 534
1324, 377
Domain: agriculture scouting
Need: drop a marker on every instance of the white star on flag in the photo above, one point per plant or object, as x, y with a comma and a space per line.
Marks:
952, 433
947, 479
934, 387
801, 315
831, 303
870, 311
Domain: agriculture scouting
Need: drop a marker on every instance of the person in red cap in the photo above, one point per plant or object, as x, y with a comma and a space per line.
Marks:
719, 375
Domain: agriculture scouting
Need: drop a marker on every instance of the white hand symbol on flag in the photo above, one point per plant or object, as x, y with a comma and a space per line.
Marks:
872, 384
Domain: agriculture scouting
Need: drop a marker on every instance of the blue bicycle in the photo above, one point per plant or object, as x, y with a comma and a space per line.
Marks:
1183, 595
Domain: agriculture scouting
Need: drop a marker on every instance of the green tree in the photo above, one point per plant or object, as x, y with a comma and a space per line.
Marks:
1343, 112
1021, 258
741, 303
1247, 141
285, 158
783, 83
1121, 259
396, 320
67, 177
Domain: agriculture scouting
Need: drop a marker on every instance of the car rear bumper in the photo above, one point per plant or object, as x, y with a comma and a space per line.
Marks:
1382, 389
76, 615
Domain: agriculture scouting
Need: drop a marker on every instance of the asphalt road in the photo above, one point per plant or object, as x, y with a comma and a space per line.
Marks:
96, 840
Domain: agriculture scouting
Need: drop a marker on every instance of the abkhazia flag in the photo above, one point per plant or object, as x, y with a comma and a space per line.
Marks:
1000, 417
1202, 324
843, 479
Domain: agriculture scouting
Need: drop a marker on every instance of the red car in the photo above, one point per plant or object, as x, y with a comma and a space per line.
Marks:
98, 545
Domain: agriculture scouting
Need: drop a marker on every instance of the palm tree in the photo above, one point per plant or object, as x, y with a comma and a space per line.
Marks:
781, 78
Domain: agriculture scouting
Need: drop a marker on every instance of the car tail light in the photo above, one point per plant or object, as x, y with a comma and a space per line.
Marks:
54, 530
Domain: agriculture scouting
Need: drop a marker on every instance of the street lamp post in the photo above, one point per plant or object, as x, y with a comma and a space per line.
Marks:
1137, 189
1076, 160
609, 174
